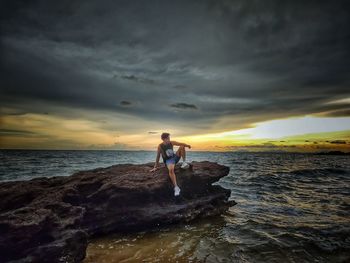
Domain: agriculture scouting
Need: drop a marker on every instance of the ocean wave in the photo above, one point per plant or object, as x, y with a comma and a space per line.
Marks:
290, 208
320, 171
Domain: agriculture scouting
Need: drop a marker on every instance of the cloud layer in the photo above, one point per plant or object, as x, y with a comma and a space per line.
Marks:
201, 66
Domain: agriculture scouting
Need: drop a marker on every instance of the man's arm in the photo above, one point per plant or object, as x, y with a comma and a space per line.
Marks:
157, 160
180, 144
158, 157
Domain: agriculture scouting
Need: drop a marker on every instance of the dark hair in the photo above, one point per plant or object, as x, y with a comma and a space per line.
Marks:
164, 135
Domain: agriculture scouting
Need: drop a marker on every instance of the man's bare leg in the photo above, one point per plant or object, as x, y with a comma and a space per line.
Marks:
182, 153
172, 174
173, 179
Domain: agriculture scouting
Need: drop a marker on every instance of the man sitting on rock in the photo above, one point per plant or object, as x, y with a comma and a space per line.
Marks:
170, 158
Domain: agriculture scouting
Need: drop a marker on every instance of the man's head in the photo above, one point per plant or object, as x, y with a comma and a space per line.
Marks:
165, 137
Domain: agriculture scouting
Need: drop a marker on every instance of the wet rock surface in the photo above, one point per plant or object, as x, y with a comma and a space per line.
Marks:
52, 219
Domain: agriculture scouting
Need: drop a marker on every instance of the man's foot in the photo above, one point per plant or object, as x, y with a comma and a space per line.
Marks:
177, 191
185, 165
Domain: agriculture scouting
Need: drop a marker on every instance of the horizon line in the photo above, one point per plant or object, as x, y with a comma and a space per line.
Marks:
129, 150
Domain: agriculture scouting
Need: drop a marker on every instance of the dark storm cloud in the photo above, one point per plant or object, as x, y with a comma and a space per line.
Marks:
183, 105
180, 87
16, 132
337, 113
252, 60
338, 142
134, 78
125, 103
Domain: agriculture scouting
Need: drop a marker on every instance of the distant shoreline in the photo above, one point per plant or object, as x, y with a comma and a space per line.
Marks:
333, 153
116, 150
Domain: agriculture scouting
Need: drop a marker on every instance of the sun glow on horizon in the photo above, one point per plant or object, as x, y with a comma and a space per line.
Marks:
35, 131
287, 132
280, 128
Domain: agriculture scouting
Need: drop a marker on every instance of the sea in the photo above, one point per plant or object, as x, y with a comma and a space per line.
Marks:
291, 207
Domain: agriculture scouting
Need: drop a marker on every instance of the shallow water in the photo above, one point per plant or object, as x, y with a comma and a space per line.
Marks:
291, 208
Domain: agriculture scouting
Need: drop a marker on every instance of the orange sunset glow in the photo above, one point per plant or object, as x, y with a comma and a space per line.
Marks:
300, 134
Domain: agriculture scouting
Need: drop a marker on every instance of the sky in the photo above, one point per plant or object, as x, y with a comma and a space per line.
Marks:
234, 75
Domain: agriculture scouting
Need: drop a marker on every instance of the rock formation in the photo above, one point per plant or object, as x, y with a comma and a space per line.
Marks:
52, 219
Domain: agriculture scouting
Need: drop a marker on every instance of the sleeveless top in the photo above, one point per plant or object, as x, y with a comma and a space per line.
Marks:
167, 151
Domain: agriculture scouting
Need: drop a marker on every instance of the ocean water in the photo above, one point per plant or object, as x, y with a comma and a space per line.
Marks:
291, 207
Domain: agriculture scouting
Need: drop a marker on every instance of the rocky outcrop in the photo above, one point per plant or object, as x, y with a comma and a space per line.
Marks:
52, 219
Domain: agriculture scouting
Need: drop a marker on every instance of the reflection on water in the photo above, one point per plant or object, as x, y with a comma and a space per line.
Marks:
290, 208
216, 239
180, 243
